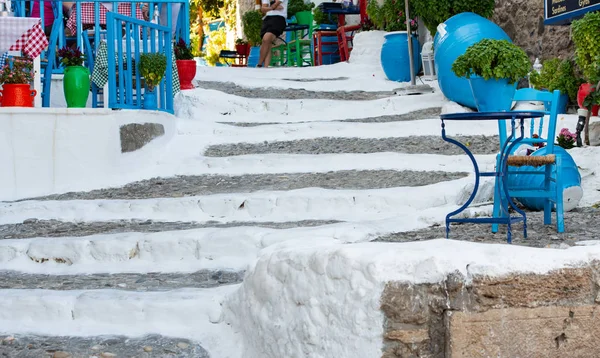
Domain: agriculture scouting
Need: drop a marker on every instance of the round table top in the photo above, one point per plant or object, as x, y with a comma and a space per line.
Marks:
492, 115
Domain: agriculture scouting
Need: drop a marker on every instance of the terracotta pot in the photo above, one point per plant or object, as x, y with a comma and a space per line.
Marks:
242, 49
584, 90
17, 95
186, 69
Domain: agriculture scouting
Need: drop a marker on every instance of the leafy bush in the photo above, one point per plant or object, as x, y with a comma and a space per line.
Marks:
252, 21
71, 56
217, 41
183, 51
295, 6
152, 67
241, 42
390, 16
322, 18
559, 75
586, 36
435, 12
493, 59
20, 73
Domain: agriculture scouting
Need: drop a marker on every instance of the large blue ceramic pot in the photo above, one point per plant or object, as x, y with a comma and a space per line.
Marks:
150, 100
452, 39
492, 95
395, 59
254, 56
570, 180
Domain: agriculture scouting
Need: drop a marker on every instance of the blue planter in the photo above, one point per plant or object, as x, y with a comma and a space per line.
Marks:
150, 100
452, 40
562, 104
492, 95
395, 59
569, 174
254, 56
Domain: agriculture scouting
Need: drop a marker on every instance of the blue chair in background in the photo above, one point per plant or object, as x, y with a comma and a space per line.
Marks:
543, 162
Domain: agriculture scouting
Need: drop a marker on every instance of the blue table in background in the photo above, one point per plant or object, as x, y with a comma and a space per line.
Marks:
501, 170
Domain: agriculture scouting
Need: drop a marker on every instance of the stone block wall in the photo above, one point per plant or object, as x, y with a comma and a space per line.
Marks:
527, 315
523, 21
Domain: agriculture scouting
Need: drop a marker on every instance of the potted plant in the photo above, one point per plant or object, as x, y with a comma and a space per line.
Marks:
300, 10
152, 67
186, 65
493, 68
241, 47
252, 21
395, 59
557, 74
435, 12
15, 79
586, 37
76, 82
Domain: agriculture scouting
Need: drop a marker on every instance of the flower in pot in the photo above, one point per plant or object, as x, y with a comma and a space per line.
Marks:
557, 74
241, 47
152, 67
76, 82
252, 21
186, 65
493, 68
395, 58
15, 79
586, 37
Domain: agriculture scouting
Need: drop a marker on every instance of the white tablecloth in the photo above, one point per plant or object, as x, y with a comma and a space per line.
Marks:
13, 28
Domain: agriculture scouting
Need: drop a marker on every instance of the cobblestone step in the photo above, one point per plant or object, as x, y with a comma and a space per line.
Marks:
54, 228
154, 281
420, 114
151, 346
183, 186
329, 145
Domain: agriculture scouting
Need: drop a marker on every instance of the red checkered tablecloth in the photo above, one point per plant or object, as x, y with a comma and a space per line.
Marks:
88, 15
23, 34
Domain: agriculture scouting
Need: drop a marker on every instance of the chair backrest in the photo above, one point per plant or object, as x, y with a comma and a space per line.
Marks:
537, 125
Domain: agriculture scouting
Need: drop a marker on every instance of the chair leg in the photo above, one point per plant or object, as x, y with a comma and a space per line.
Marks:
497, 197
560, 219
547, 202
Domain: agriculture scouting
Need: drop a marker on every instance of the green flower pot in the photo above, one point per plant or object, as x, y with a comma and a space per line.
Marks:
76, 85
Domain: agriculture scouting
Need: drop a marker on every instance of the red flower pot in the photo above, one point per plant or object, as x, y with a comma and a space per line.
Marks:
186, 69
242, 49
17, 95
584, 90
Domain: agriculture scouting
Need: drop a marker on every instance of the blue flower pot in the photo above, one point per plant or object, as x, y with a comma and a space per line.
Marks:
150, 100
395, 59
492, 95
254, 56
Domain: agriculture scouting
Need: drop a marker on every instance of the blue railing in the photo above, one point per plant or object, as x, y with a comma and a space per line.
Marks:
124, 54
172, 14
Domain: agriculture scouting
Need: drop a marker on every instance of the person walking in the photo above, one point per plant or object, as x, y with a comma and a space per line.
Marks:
273, 25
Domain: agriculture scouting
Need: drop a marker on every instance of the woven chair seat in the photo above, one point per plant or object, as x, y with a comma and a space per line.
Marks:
530, 160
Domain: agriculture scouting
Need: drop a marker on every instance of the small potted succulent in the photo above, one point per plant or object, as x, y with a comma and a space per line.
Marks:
15, 79
186, 65
76, 82
152, 67
493, 68
241, 47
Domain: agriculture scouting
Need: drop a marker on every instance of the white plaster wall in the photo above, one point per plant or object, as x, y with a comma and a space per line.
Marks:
52, 150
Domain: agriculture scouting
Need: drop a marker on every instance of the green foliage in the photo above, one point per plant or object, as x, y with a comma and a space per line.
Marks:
559, 75
390, 16
493, 59
17, 72
241, 42
211, 8
295, 6
593, 97
71, 56
586, 36
252, 21
183, 51
322, 18
435, 12
217, 42
566, 139
152, 67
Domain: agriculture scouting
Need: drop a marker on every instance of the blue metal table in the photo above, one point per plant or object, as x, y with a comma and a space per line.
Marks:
501, 170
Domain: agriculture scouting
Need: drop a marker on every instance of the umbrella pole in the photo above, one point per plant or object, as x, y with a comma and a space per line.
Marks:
410, 48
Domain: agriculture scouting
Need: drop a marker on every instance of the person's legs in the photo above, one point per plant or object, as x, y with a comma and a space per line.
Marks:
265, 49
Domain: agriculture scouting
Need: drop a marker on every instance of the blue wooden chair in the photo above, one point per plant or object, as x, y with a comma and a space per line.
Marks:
552, 195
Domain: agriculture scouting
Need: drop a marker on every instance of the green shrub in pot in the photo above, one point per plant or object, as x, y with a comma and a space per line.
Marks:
435, 12
559, 75
252, 21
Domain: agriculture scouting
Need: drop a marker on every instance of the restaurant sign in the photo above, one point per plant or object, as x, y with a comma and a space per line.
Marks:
558, 12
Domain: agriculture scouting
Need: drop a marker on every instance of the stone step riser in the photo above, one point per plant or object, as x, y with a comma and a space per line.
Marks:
304, 204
